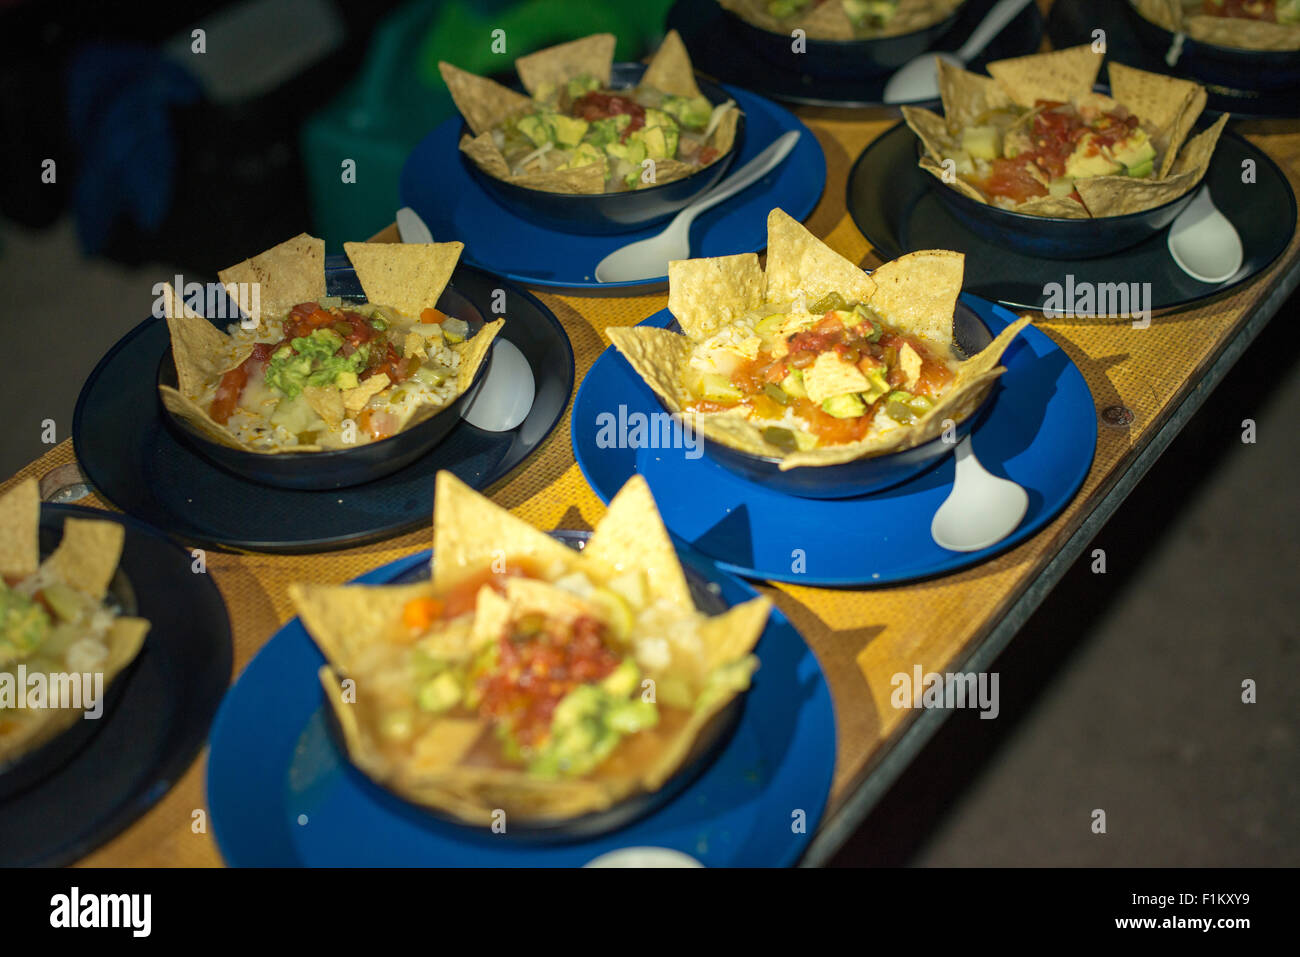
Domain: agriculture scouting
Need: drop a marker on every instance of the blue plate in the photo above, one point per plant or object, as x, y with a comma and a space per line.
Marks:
280, 794
1039, 431
436, 185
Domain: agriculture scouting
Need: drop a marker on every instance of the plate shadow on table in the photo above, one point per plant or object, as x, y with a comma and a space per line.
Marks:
965, 747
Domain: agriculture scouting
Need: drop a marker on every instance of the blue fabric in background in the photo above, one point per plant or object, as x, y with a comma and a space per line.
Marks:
120, 99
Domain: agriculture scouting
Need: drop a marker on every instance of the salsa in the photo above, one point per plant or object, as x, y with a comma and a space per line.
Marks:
822, 381
1241, 9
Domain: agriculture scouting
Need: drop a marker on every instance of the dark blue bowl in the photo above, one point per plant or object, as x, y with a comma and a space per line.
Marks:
605, 213
1052, 237
710, 742
843, 59
35, 766
866, 475
338, 468
1233, 67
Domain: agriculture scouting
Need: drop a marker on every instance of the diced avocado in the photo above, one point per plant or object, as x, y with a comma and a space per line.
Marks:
784, 8
623, 680
1141, 169
1137, 150
567, 131
793, 384
24, 624
1087, 160
607, 130
582, 702
583, 83
629, 717
66, 602
346, 380
440, 693
905, 408
535, 128
454, 330
963, 165
660, 118
718, 388
982, 142
656, 145
847, 406
870, 13
545, 93
584, 155
878, 385
1060, 187
431, 375
780, 438
1288, 11
633, 150
693, 111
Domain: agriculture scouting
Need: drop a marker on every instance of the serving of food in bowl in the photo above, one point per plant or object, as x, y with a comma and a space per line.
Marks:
316, 391
594, 146
63, 620
812, 376
526, 676
1032, 156
1242, 44
843, 38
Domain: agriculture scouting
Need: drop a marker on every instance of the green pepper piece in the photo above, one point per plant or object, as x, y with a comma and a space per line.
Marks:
830, 302
776, 393
783, 439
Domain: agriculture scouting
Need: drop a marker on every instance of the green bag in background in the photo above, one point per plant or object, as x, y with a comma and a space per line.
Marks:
398, 96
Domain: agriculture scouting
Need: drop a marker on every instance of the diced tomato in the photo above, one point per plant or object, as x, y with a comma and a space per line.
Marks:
378, 424
420, 613
707, 155
431, 316
233, 382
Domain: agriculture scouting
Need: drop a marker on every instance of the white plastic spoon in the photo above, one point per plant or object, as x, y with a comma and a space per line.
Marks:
981, 508
503, 397
649, 258
1204, 244
918, 79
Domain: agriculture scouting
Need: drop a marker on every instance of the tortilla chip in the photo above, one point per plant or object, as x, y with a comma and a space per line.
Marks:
632, 536
799, 261
918, 292
482, 150
705, 294
1055, 207
658, 356
473, 352
1196, 154
1164, 13
827, 20
198, 347
723, 137
1059, 75
287, 274
667, 170
470, 532
345, 620
87, 555
125, 639
407, 276
482, 102
445, 743
354, 400
935, 169
967, 96
415, 346
580, 179
670, 69
326, 401
1243, 34
1171, 105
593, 55
20, 520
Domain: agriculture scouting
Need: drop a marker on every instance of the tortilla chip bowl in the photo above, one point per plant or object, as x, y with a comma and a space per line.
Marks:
334, 468
865, 475
606, 213
1058, 237
34, 766
1238, 67
711, 741
844, 59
